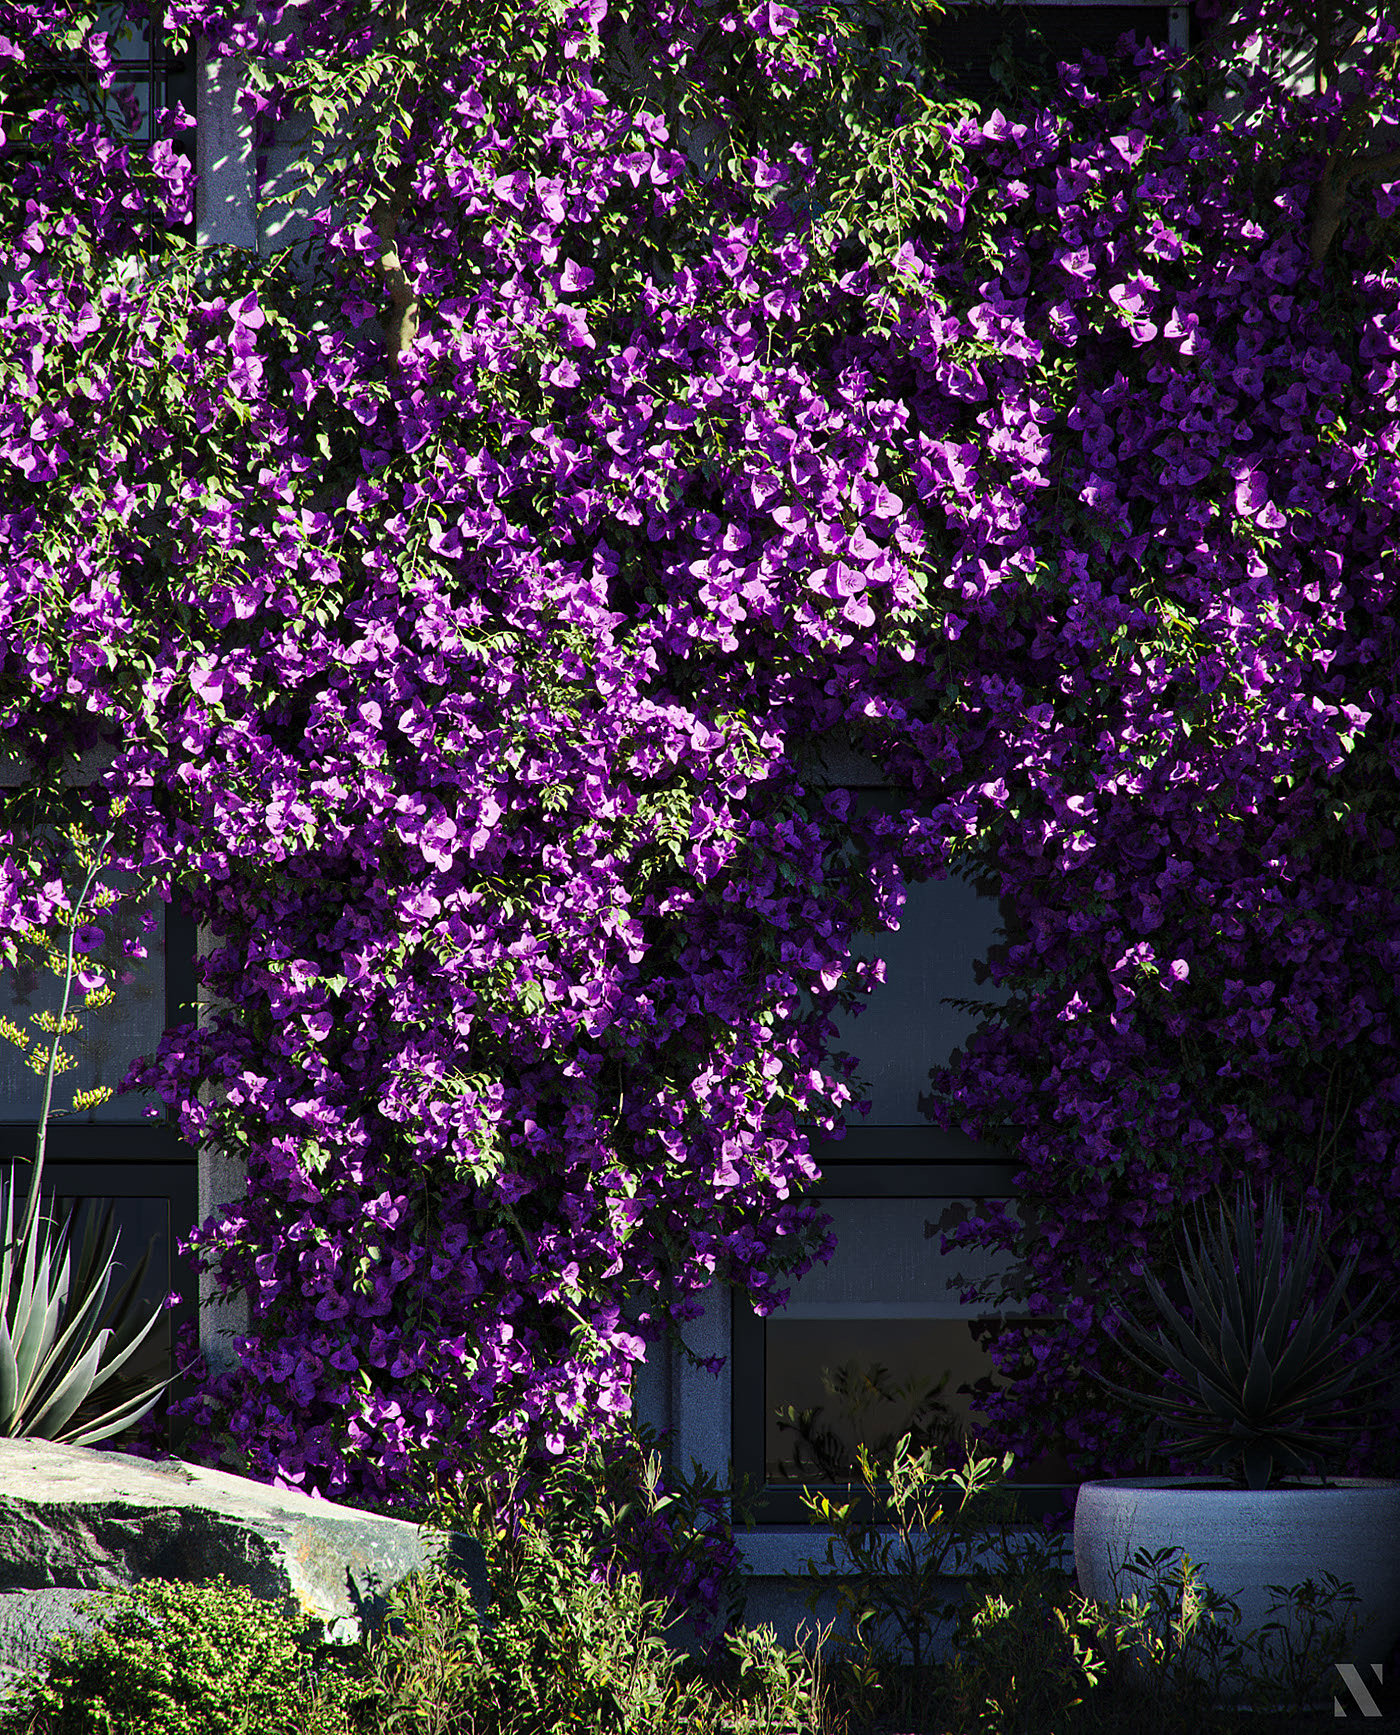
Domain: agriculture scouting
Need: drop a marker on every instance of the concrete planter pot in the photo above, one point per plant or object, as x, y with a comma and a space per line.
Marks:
1246, 1539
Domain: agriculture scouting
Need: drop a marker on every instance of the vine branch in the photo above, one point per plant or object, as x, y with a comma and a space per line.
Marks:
403, 318
1330, 195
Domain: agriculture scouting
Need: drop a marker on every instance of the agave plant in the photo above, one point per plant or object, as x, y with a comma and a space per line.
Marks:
1260, 1370
60, 1338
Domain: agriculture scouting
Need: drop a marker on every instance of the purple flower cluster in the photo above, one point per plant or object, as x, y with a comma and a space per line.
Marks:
473, 699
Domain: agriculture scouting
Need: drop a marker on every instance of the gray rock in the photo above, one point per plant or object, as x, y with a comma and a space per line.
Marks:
75, 1520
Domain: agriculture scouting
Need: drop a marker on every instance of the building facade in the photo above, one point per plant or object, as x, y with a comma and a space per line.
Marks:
889, 1301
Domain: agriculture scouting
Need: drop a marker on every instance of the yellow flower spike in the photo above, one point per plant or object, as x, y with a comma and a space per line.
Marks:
86, 1099
38, 1061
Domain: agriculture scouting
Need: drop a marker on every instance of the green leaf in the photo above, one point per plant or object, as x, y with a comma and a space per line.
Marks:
73, 1386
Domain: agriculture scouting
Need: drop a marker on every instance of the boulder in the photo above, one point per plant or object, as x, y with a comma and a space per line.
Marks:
74, 1520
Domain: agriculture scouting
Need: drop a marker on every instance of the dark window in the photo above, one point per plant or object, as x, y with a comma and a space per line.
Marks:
884, 1326
112, 1152
154, 1204
146, 78
151, 77
984, 51
930, 1002
111, 1037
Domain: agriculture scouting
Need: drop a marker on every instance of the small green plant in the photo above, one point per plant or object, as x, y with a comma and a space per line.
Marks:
565, 1653
1032, 1656
1176, 1635
564, 1646
1178, 1659
1295, 1653
1029, 1651
943, 1519
606, 1497
181, 1659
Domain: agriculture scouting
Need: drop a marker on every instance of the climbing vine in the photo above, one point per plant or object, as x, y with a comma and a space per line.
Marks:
467, 592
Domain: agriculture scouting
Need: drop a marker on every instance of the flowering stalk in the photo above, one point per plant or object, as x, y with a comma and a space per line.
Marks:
46, 1106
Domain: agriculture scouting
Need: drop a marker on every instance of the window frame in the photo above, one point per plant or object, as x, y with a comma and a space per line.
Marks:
873, 1162
145, 1159
170, 78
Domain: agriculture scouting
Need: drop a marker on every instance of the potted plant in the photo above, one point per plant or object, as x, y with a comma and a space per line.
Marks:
1260, 1372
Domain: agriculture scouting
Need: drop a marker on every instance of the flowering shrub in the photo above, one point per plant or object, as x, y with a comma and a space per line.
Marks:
467, 667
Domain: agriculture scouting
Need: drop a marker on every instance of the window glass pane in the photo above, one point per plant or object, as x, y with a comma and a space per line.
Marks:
139, 1222
111, 1037
831, 1383
126, 37
965, 42
888, 1265
144, 79
878, 1343
129, 41
905, 1027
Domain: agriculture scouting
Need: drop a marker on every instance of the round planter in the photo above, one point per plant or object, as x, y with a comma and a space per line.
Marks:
1244, 1540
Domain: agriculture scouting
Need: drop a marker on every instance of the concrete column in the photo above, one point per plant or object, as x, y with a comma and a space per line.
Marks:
225, 211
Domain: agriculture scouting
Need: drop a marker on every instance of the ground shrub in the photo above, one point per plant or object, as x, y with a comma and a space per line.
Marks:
184, 1659
566, 1648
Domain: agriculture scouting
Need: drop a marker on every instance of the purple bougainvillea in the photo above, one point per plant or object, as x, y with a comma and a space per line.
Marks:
470, 686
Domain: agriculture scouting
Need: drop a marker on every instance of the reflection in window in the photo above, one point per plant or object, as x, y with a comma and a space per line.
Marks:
141, 1224
834, 1385
147, 78
110, 1037
911, 1022
878, 1344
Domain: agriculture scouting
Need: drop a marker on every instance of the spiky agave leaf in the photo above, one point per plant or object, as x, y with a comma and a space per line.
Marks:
58, 1331
118, 1318
122, 1319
